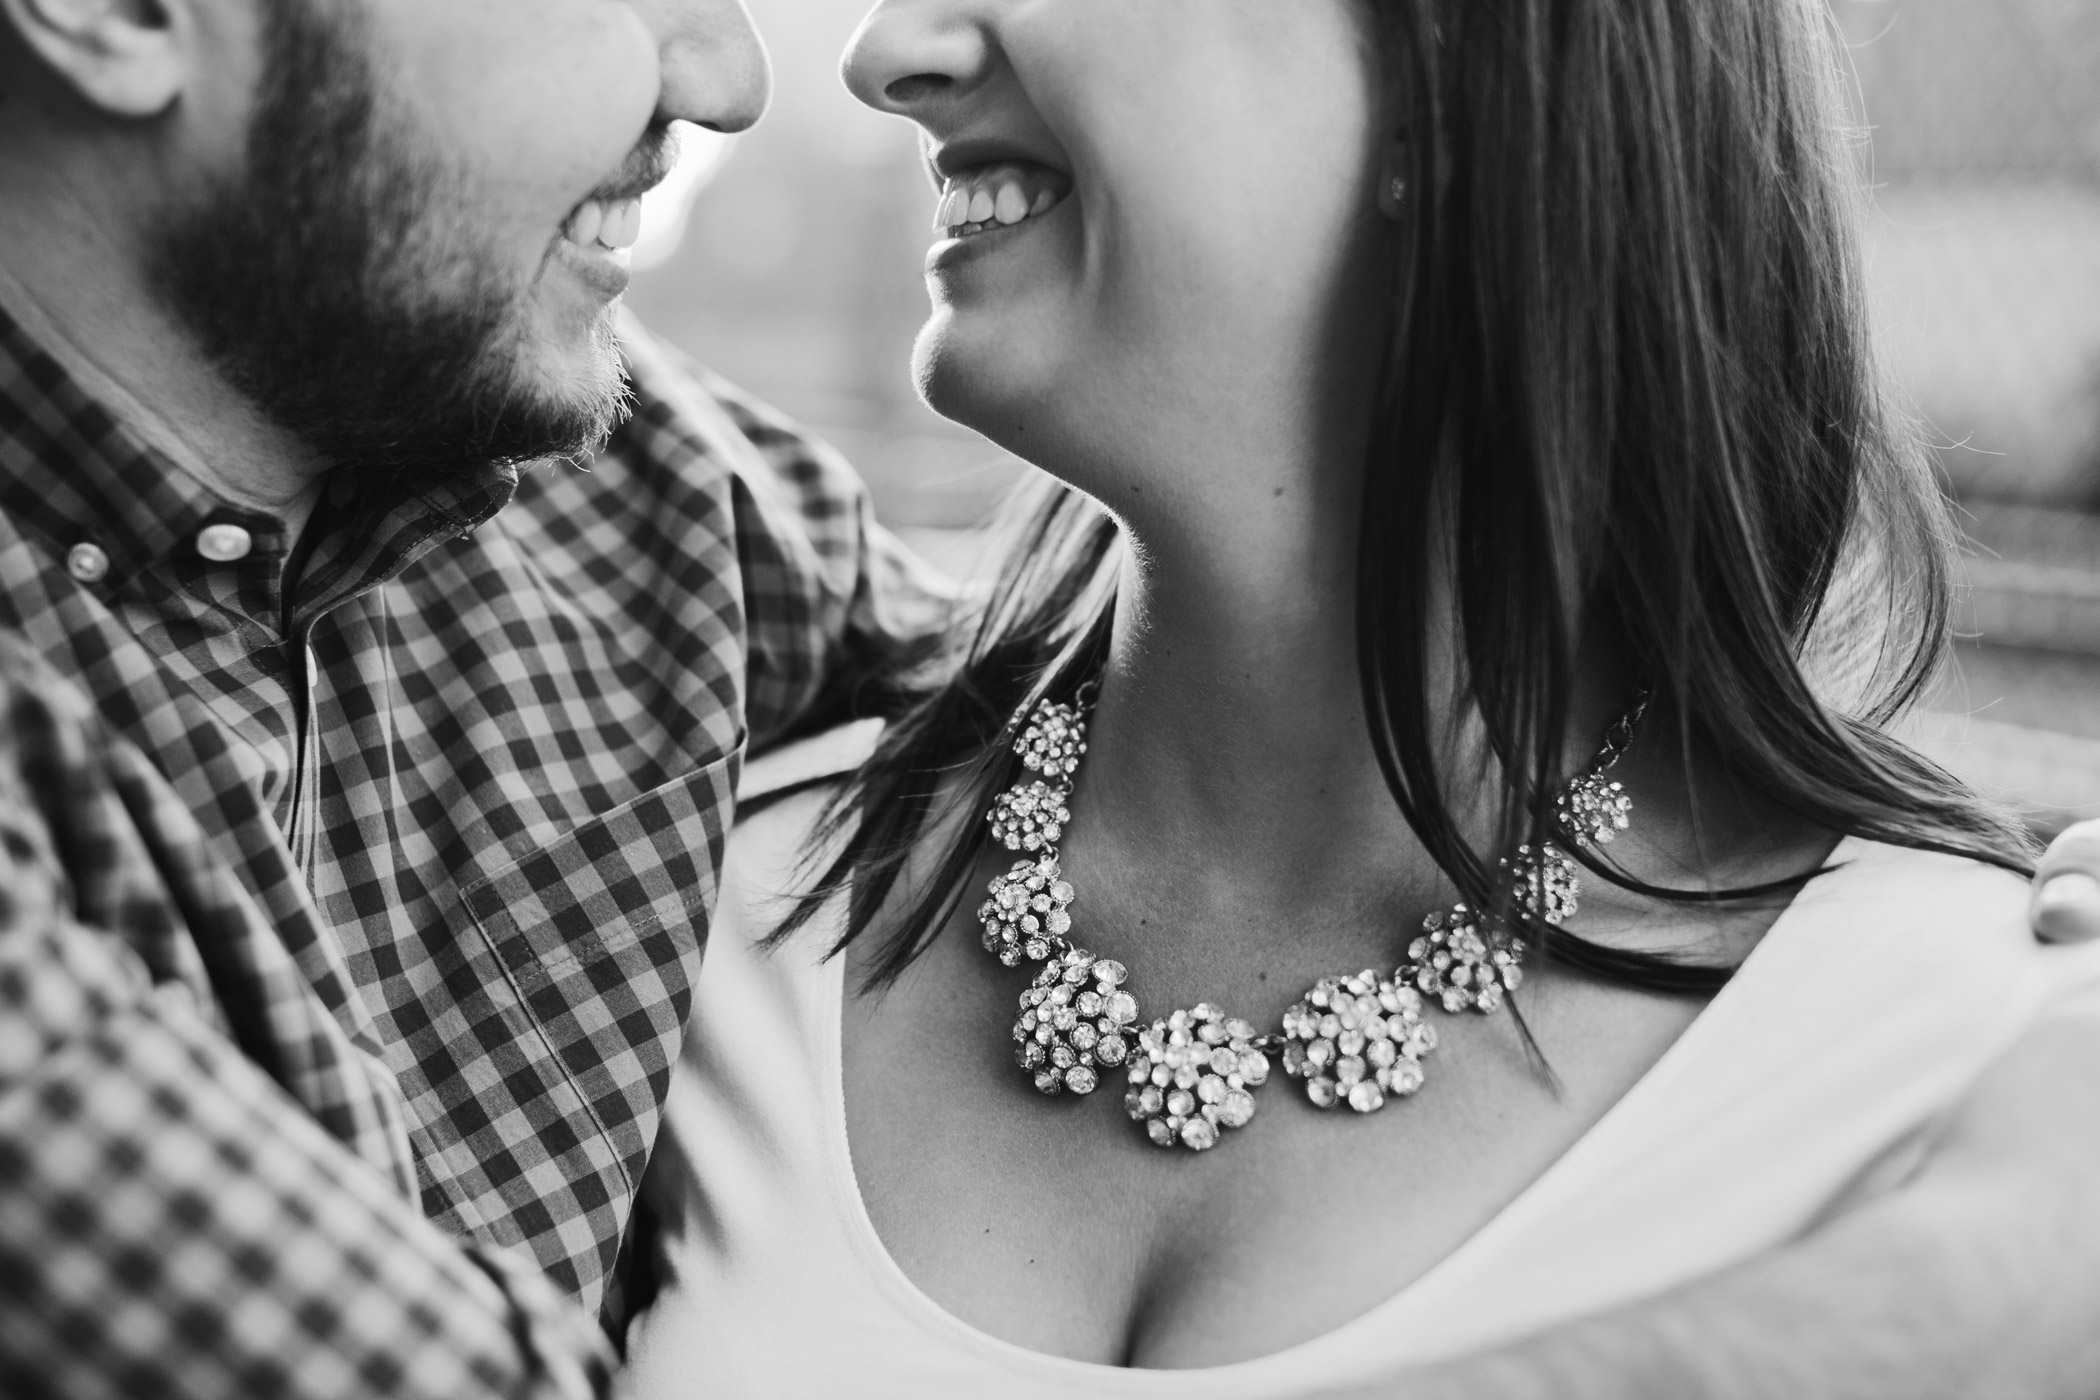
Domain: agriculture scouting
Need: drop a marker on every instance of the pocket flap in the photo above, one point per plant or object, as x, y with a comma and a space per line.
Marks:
601, 931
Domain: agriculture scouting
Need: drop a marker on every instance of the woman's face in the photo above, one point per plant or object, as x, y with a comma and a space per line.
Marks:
1157, 215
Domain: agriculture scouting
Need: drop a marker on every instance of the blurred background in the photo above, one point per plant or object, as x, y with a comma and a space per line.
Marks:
788, 259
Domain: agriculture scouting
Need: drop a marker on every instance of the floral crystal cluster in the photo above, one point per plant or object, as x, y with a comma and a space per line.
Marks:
1026, 912
1031, 818
1068, 1030
1193, 1075
1053, 741
1457, 961
1356, 1040
1593, 811
1544, 884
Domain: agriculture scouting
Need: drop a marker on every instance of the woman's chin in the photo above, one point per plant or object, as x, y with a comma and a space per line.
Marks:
985, 382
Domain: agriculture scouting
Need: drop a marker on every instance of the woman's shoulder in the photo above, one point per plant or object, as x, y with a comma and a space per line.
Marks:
817, 762
1893, 915
774, 850
1862, 869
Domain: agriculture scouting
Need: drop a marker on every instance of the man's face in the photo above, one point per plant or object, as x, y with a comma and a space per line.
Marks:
415, 265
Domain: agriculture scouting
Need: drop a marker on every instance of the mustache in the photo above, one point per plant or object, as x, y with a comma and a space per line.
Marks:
645, 167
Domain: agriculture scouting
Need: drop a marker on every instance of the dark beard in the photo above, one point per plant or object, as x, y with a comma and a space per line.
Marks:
328, 285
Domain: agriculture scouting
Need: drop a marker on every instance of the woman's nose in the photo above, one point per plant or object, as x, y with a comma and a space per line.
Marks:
908, 54
715, 72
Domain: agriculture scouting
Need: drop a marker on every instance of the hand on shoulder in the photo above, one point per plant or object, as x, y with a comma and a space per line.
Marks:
2066, 907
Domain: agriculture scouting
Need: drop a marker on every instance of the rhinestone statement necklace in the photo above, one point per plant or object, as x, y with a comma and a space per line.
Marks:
1358, 1040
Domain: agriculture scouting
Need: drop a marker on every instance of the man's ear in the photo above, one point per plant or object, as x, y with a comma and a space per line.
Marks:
130, 58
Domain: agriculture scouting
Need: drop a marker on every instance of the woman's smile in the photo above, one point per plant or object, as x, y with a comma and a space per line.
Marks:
988, 206
1003, 194
1103, 169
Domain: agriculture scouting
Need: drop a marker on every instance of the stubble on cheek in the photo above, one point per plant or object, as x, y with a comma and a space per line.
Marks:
364, 293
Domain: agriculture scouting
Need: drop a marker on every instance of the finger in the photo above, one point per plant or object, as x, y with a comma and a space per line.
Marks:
2066, 905
2067, 909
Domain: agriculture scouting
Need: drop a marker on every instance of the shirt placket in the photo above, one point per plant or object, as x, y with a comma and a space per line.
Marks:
238, 562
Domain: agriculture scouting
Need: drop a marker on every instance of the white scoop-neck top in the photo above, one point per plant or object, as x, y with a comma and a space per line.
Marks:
1809, 1083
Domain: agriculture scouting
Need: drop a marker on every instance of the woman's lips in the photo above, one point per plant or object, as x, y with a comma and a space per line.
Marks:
998, 195
949, 254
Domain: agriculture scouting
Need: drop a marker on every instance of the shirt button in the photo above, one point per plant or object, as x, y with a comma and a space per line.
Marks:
89, 563
224, 544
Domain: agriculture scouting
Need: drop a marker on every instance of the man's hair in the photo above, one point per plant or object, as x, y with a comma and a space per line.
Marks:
333, 284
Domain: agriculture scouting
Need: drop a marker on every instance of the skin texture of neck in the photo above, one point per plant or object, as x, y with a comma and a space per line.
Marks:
1230, 789
72, 273
1231, 798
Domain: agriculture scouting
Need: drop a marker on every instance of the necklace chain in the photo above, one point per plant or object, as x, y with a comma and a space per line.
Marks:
1358, 1040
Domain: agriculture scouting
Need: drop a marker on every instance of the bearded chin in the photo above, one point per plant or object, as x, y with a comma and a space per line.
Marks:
333, 283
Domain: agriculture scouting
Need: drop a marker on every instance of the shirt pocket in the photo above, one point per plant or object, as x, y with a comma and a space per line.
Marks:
601, 932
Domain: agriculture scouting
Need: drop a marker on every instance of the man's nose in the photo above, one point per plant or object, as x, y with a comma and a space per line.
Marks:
908, 54
715, 71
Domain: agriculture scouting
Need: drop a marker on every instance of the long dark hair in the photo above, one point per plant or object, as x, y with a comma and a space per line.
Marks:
1629, 384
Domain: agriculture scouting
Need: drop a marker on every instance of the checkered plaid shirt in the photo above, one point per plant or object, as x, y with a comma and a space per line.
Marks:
373, 875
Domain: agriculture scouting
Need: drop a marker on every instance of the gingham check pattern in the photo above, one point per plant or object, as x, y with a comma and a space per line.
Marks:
443, 805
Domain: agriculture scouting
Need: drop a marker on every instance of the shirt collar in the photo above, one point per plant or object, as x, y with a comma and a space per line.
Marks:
72, 472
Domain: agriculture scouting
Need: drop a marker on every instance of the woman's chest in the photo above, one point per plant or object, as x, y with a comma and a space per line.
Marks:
1054, 1223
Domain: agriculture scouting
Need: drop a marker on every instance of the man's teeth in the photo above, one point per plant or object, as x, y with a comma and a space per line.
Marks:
612, 225
585, 224
997, 196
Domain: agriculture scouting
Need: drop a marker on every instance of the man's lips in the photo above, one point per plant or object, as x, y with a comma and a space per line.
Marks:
608, 226
610, 219
605, 271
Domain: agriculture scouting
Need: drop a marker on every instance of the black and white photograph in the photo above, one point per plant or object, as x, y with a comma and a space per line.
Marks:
1043, 699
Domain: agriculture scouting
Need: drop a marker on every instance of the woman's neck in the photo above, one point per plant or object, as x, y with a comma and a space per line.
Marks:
1230, 719
1230, 787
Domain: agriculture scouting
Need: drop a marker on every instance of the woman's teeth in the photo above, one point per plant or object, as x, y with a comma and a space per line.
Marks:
997, 196
611, 225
